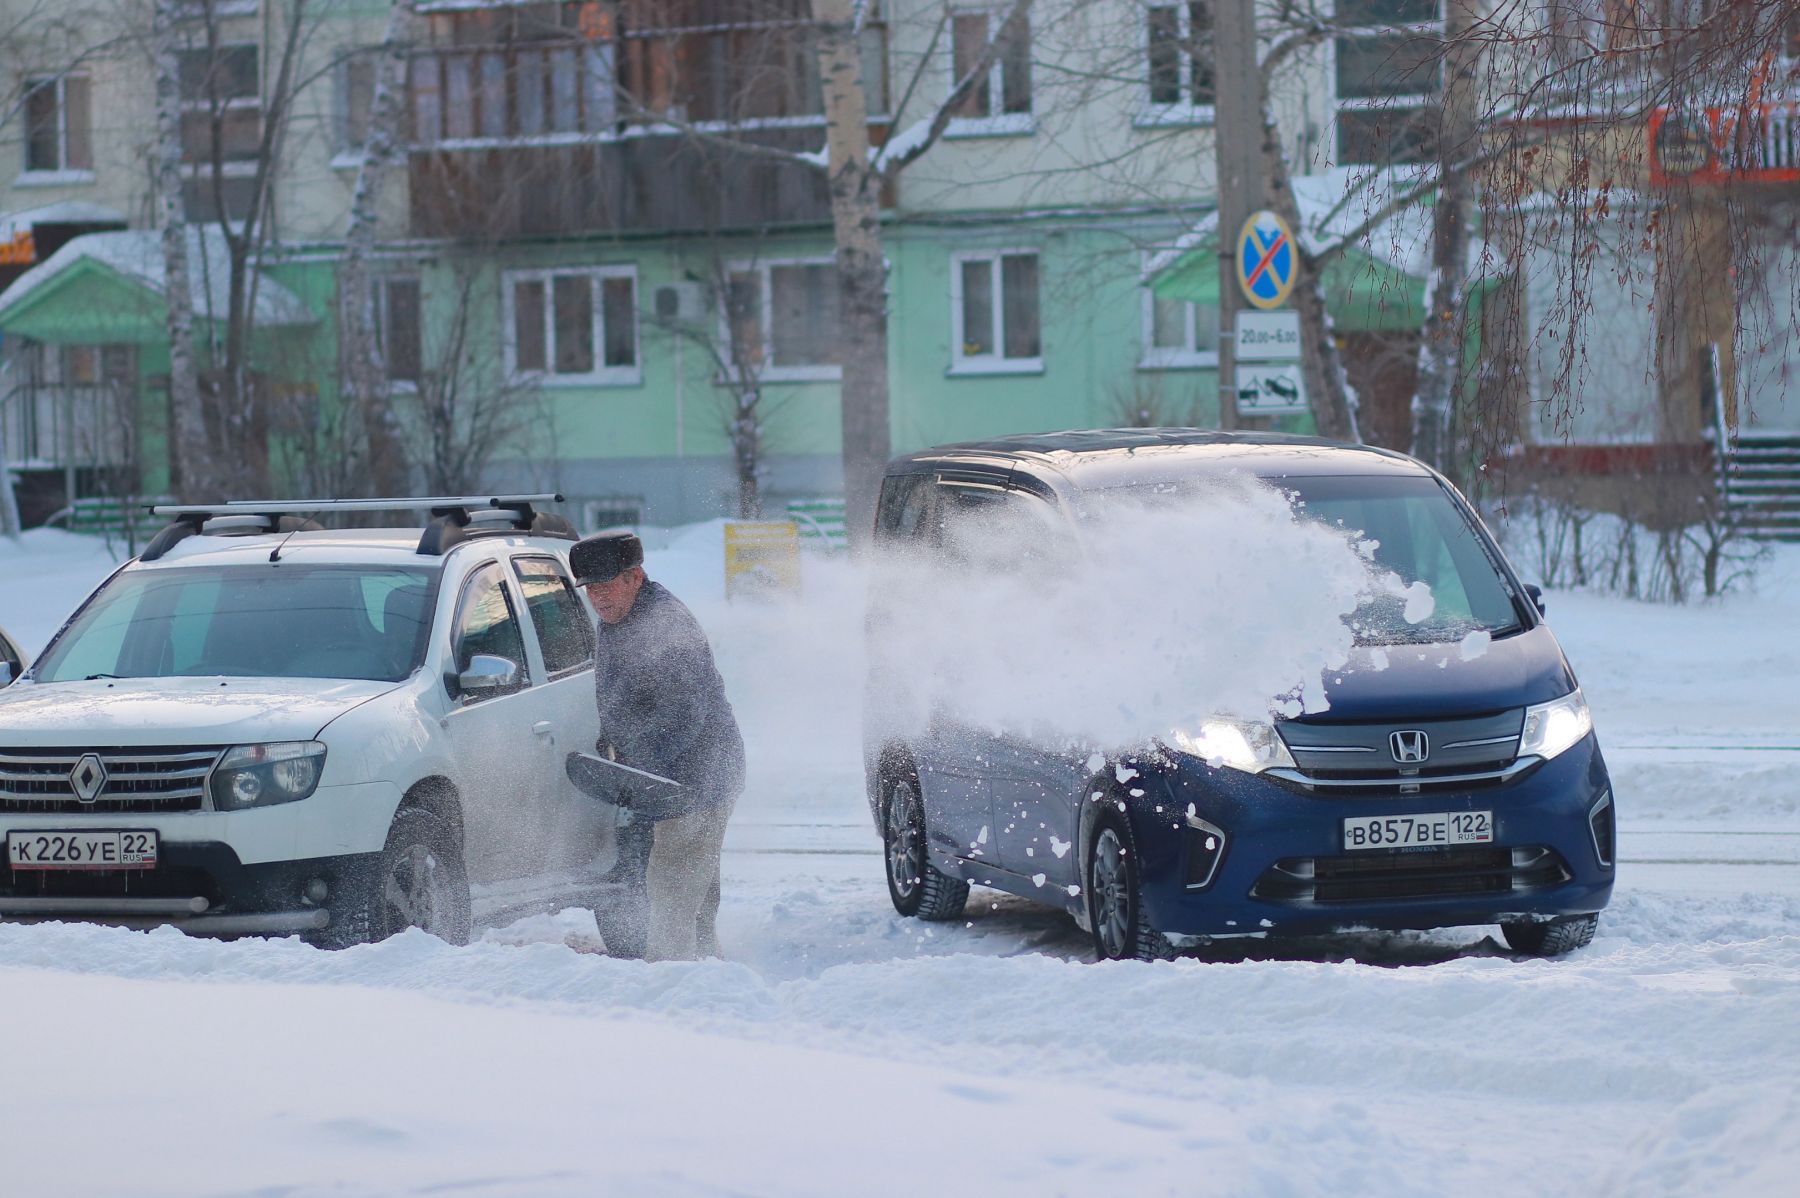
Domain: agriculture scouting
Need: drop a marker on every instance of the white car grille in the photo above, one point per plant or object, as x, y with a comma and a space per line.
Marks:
66, 781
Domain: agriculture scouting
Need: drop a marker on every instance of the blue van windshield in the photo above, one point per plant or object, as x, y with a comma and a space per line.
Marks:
273, 621
1422, 536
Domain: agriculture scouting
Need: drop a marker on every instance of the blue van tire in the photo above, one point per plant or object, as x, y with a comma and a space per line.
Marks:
1121, 926
1550, 938
917, 887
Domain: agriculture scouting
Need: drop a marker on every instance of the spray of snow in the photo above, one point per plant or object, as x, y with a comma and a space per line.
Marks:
1152, 615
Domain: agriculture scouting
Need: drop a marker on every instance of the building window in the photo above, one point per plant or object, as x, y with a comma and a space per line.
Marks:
994, 312
1388, 80
221, 129
781, 319
999, 101
58, 126
355, 99
399, 320
1178, 46
1178, 333
577, 326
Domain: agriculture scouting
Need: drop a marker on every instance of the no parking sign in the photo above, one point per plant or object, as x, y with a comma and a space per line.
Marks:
1266, 261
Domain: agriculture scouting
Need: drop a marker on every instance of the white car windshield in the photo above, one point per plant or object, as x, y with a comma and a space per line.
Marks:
274, 621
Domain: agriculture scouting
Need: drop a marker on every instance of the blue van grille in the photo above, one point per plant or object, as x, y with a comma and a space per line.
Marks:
1411, 874
1367, 759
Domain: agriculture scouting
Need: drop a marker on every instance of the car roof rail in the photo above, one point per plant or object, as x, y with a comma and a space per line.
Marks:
454, 518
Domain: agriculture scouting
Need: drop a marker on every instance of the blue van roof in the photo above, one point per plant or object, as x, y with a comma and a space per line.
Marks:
1097, 459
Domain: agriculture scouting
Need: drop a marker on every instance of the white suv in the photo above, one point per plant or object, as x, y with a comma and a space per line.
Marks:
260, 726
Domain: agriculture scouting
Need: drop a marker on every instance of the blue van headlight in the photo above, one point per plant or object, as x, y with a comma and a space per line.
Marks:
1248, 745
1555, 727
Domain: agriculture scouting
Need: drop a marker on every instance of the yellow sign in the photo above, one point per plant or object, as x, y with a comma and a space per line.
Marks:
21, 250
761, 558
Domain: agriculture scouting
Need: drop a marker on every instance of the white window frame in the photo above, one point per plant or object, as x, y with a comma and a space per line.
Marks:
1187, 356
995, 124
601, 375
383, 301
1411, 101
63, 174
996, 362
1187, 110
771, 373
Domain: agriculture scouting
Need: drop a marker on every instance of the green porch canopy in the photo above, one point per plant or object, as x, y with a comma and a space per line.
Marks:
1376, 283
1363, 293
108, 288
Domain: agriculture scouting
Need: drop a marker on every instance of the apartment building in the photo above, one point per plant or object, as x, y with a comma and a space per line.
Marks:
598, 225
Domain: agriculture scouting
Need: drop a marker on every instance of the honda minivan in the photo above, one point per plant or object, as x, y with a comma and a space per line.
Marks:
1433, 789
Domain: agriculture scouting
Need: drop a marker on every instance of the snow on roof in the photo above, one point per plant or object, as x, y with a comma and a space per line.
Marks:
1333, 203
68, 212
137, 254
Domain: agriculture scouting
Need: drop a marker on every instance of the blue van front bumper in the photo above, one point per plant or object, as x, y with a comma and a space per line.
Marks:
1284, 870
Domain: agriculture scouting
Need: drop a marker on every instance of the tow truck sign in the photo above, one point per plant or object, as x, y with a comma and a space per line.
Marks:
1270, 389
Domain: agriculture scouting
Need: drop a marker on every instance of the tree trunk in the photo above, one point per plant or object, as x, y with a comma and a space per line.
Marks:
1446, 288
746, 450
9, 502
862, 269
191, 456
1327, 392
366, 383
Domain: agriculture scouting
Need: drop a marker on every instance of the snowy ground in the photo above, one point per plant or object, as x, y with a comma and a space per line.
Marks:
843, 1050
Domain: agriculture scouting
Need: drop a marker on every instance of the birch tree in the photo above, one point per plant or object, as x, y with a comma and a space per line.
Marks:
190, 443
858, 174
366, 384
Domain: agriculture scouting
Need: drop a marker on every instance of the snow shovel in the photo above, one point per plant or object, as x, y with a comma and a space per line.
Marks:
640, 791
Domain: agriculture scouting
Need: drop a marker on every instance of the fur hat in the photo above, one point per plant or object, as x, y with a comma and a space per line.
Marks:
604, 556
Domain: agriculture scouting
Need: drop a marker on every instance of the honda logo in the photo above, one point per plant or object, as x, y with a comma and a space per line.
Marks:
88, 778
1410, 747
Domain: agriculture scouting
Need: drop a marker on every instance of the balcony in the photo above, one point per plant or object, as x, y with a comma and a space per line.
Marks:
620, 129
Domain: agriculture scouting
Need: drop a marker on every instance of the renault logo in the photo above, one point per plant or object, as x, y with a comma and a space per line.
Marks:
1409, 748
88, 778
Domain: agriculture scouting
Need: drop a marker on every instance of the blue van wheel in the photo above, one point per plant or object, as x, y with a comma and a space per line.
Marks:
918, 887
1550, 938
1122, 930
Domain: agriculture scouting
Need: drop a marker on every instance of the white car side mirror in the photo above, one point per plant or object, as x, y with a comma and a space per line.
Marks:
487, 675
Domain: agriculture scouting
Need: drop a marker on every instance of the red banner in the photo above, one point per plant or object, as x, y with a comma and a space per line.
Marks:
1751, 143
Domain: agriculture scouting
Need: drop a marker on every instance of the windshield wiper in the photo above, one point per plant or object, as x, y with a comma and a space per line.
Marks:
92, 677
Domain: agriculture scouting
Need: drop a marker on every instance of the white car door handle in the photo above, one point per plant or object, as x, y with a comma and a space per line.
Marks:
543, 727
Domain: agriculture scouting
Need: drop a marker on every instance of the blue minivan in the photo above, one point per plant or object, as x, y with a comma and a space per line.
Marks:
1464, 790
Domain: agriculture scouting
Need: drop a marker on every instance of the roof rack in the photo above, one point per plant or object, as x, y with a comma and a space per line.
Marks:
454, 518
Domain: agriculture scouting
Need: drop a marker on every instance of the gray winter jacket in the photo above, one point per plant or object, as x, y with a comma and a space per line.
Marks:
663, 705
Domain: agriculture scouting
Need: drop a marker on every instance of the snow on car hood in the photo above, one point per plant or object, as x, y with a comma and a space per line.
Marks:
1406, 681
158, 711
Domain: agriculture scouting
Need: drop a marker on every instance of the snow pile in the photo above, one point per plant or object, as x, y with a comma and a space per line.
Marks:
1161, 614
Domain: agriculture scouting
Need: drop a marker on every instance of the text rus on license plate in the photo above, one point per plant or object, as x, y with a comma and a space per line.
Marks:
1415, 831
82, 850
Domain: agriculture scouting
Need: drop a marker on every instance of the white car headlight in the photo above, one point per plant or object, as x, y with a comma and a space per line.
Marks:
1555, 727
1249, 745
260, 775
